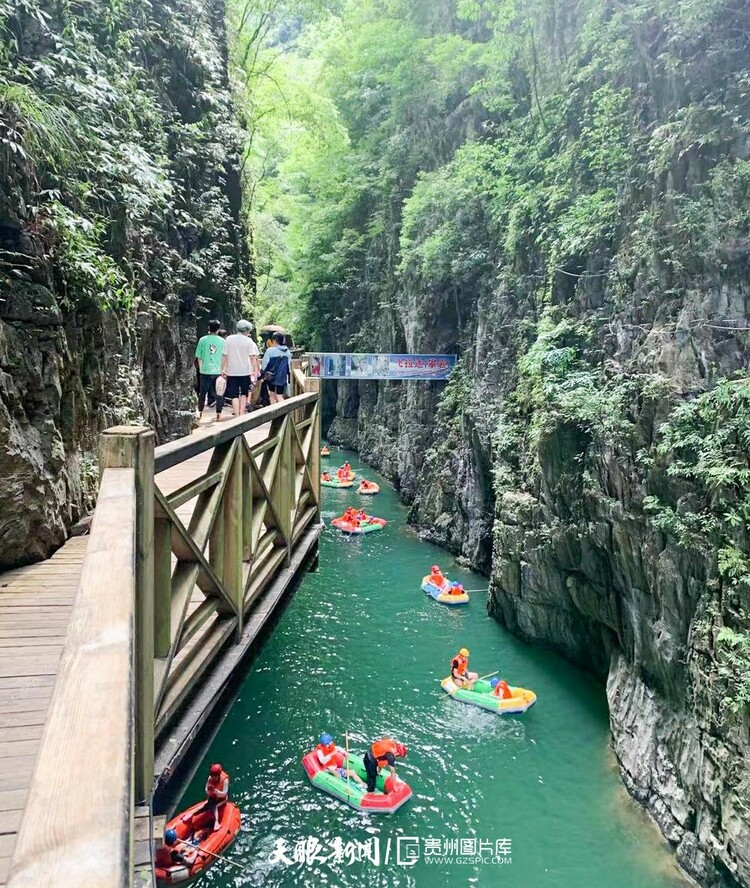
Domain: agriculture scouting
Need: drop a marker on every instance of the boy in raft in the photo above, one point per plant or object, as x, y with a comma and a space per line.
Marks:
460, 670
168, 856
326, 752
456, 589
500, 688
325, 477
217, 792
381, 754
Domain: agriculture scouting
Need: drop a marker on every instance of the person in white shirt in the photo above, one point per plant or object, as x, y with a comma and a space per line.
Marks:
239, 363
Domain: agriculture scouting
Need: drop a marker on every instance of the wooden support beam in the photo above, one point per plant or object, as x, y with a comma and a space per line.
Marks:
191, 490
76, 828
233, 529
133, 447
312, 386
162, 586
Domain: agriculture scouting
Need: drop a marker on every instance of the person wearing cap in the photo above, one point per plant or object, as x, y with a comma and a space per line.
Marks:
217, 793
277, 368
168, 856
208, 354
460, 670
331, 758
382, 754
239, 363
436, 576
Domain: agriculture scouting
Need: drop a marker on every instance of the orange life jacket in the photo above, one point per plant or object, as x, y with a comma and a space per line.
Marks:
462, 664
328, 752
457, 590
503, 690
217, 785
325, 477
437, 579
380, 747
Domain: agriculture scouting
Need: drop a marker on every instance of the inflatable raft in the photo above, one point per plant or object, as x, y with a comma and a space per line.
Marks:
336, 482
481, 695
371, 489
368, 526
387, 798
443, 595
324, 451
199, 834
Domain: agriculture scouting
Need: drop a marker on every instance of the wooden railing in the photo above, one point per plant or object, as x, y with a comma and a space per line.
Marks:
186, 537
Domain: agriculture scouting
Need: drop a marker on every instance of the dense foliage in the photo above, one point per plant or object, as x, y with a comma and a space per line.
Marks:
582, 168
103, 150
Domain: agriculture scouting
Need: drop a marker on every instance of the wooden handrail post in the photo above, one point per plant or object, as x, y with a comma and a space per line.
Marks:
313, 385
233, 531
162, 586
133, 447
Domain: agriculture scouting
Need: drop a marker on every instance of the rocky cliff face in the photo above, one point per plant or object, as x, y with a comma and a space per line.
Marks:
591, 453
120, 234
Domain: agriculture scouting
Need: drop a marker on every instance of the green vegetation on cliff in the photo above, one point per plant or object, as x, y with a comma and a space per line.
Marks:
120, 230
560, 192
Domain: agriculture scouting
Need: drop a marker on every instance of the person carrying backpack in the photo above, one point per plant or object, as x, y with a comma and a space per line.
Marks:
277, 368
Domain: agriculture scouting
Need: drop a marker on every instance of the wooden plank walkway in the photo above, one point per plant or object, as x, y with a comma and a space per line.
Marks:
35, 608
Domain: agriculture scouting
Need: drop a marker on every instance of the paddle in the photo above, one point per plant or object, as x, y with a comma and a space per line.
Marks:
346, 736
199, 850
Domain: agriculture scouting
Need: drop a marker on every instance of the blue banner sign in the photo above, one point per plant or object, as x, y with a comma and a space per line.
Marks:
366, 366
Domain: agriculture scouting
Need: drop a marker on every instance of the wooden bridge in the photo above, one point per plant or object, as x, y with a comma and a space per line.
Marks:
114, 652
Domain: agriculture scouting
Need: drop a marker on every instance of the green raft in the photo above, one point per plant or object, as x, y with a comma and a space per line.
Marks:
481, 695
336, 483
355, 794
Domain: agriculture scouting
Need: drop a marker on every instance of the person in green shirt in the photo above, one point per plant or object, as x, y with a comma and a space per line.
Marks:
208, 354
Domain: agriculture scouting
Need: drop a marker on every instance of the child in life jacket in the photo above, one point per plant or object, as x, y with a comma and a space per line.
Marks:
330, 756
500, 688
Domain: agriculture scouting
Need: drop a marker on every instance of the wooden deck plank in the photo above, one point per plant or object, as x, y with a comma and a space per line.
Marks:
16, 748
35, 607
9, 821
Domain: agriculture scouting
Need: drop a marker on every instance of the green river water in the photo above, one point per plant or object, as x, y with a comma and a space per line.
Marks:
360, 647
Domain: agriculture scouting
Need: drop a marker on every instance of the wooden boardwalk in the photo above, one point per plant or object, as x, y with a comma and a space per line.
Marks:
116, 650
35, 607
36, 603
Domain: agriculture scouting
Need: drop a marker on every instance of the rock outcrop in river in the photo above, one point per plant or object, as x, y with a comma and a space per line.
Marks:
119, 228
588, 258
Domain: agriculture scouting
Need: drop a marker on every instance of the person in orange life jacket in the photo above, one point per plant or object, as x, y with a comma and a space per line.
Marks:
436, 576
217, 793
460, 670
168, 856
325, 477
327, 752
382, 754
501, 689
456, 589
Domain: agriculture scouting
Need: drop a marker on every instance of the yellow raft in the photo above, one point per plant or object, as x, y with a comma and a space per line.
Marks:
481, 695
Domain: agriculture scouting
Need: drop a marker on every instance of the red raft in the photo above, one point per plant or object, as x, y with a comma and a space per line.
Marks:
368, 525
388, 797
199, 834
